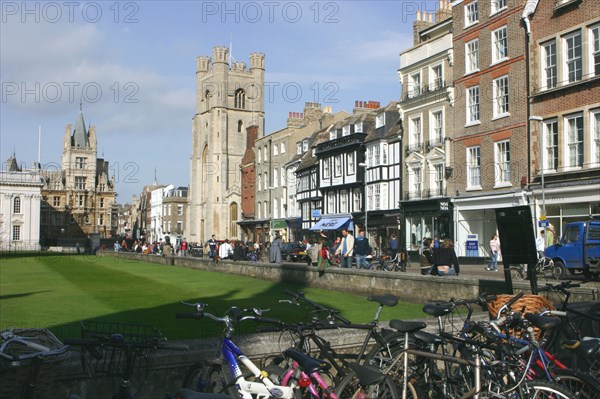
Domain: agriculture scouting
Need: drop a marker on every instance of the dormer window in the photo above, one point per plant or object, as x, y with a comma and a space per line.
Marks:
358, 127
380, 120
304, 145
346, 130
333, 135
298, 148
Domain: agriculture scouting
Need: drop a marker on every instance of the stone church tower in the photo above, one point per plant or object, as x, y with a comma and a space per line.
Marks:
229, 98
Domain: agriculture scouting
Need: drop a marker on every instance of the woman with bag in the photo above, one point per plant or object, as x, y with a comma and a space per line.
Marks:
324, 258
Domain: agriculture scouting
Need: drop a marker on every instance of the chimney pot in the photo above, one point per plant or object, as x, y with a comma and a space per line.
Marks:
418, 15
355, 103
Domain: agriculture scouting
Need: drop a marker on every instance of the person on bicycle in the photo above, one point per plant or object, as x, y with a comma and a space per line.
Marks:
362, 250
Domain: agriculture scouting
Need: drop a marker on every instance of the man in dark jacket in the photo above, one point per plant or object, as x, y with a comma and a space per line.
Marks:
361, 249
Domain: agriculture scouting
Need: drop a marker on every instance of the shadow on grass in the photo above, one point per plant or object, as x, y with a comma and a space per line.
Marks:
13, 296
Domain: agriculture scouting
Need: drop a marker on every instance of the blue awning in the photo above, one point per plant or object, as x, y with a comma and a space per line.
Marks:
330, 223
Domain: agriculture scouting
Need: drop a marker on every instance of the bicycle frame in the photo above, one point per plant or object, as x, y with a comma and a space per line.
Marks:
262, 390
312, 390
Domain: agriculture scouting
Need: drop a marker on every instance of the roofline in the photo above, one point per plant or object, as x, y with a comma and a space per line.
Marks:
438, 25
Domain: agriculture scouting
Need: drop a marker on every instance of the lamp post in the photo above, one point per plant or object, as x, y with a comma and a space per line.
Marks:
364, 166
539, 120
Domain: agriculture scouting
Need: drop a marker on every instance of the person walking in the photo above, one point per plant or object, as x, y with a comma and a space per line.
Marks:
324, 258
212, 247
393, 246
275, 250
362, 250
445, 261
540, 244
346, 249
495, 250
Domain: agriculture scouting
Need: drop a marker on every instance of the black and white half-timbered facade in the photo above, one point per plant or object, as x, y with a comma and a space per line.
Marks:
308, 195
383, 184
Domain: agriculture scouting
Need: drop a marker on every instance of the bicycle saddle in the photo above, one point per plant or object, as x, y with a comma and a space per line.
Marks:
407, 326
307, 363
433, 309
587, 348
385, 299
187, 394
542, 322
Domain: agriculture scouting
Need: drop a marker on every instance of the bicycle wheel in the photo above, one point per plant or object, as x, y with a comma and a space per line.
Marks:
517, 272
582, 385
208, 378
350, 388
276, 374
546, 390
381, 355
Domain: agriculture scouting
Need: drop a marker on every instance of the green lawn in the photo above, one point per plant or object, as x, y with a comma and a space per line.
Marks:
58, 291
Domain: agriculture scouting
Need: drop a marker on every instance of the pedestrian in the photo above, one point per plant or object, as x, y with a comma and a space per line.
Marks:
445, 261
426, 258
324, 258
393, 246
78, 247
550, 236
362, 250
346, 249
184, 247
494, 251
212, 246
540, 244
116, 246
225, 250
313, 253
275, 250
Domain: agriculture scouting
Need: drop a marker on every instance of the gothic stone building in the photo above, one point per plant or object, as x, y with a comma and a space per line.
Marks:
79, 199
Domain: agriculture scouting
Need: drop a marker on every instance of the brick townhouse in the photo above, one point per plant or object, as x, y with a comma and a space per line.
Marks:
565, 104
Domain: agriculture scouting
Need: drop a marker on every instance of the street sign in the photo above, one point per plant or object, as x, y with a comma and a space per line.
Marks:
316, 213
543, 223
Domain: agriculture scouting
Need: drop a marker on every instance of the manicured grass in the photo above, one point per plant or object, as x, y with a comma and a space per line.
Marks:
58, 291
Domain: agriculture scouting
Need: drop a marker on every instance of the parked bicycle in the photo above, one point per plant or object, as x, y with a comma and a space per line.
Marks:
27, 350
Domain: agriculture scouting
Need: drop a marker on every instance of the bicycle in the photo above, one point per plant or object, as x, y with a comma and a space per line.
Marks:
119, 349
544, 269
224, 375
20, 348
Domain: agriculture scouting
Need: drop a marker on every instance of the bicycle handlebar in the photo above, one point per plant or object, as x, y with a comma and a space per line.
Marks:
333, 313
562, 287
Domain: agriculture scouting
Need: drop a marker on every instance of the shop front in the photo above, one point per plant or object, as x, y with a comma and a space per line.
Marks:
382, 225
475, 221
425, 219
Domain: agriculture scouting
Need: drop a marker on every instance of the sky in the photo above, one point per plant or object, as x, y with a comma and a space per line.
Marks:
131, 65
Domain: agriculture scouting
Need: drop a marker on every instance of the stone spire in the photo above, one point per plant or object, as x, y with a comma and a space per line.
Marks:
80, 134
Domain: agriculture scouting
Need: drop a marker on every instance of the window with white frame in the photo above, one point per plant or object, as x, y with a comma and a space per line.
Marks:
259, 210
499, 44
275, 178
346, 130
81, 200
574, 139
377, 196
500, 90
259, 182
474, 167
549, 68
56, 201
298, 148
550, 144
358, 127
275, 150
384, 154
498, 5
417, 180
595, 48
472, 56
416, 130
266, 181
304, 145
377, 155
437, 77
502, 164
17, 205
79, 183
356, 197
337, 165
438, 179
259, 155
595, 123
326, 168
332, 134
331, 202
472, 105
266, 209
471, 13
437, 126
102, 203
370, 194
16, 233
573, 57
350, 163
414, 85
282, 148
369, 156
282, 171
343, 201
265, 153
275, 208
380, 120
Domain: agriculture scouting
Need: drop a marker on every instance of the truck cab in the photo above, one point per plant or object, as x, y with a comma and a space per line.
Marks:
578, 250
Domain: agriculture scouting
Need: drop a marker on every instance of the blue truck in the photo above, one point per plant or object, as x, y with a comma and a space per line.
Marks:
578, 250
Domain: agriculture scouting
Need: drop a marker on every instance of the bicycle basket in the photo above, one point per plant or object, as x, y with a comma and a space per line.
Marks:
15, 375
117, 342
531, 304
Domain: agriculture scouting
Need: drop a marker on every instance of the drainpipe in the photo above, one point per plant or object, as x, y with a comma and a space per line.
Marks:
527, 27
